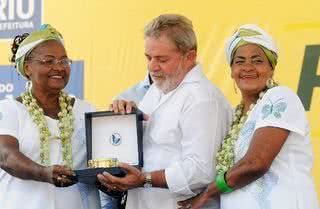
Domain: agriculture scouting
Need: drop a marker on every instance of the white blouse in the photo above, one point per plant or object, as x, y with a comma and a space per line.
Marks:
288, 184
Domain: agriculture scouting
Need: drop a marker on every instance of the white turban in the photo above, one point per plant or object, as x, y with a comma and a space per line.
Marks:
250, 33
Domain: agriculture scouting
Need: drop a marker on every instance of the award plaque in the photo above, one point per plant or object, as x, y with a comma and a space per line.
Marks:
111, 138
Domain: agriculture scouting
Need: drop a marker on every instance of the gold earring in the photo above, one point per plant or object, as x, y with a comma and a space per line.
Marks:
270, 83
28, 85
235, 88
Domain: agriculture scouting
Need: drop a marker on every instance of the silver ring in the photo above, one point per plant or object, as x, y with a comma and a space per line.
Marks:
114, 187
59, 178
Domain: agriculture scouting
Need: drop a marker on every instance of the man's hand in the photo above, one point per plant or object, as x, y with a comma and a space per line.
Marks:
122, 106
125, 107
133, 179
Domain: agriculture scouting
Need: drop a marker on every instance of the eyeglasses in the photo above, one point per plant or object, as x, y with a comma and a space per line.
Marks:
65, 62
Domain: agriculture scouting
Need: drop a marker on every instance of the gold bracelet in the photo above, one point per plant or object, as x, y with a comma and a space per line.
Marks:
103, 163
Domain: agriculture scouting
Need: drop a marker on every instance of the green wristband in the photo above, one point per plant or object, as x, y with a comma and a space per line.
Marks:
222, 184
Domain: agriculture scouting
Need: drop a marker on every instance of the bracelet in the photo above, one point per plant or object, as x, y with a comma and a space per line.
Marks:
222, 184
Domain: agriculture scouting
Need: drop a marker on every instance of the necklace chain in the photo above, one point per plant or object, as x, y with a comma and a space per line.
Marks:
65, 125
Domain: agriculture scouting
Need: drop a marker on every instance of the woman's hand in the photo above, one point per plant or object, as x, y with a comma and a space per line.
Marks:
60, 176
195, 202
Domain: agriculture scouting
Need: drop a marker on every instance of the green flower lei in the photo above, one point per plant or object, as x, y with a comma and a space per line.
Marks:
225, 156
65, 126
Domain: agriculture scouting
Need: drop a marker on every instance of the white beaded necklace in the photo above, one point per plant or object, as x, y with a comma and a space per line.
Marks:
225, 156
65, 125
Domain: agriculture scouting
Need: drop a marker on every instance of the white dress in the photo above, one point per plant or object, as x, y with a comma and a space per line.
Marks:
27, 194
288, 184
184, 130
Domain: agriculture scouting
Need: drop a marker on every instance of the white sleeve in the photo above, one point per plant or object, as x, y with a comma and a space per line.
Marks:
91, 108
86, 106
282, 108
9, 123
135, 93
201, 137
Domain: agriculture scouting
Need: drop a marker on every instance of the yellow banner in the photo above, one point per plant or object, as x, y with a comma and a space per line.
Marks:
108, 36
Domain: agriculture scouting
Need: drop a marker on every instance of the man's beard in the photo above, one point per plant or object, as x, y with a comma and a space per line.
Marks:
168, 83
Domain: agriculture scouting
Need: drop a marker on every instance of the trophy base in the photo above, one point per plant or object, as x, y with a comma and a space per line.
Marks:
89, 176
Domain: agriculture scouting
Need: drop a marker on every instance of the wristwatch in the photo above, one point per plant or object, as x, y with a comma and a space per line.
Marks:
147, 180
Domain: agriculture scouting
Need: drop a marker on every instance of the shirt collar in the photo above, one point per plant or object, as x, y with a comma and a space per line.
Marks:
146, 81
194, 75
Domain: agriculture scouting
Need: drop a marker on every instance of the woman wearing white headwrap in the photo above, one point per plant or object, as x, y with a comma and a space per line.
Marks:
42, 134
265, 161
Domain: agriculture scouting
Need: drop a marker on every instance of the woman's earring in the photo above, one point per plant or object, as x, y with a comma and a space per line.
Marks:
28, 85
235, 88
270, 83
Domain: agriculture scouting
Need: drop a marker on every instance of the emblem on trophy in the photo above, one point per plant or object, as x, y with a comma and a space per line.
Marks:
115, 139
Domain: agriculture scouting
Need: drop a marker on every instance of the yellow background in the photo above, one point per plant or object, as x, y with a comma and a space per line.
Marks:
108, 36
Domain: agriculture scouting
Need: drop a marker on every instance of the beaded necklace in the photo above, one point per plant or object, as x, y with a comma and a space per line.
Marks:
225, 156
65, 125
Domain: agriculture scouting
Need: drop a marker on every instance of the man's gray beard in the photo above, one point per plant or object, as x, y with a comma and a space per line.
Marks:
167, 86
170, 83
173, 82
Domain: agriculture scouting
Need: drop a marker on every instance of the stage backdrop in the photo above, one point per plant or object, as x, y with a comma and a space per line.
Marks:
107, 36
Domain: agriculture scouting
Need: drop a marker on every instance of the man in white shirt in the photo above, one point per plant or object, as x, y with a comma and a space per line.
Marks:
187, 120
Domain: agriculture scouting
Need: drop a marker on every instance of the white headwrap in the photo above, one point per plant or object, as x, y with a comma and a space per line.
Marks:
45, 33
257, 36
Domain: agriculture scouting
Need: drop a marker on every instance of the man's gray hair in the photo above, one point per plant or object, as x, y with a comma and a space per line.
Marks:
176, 27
